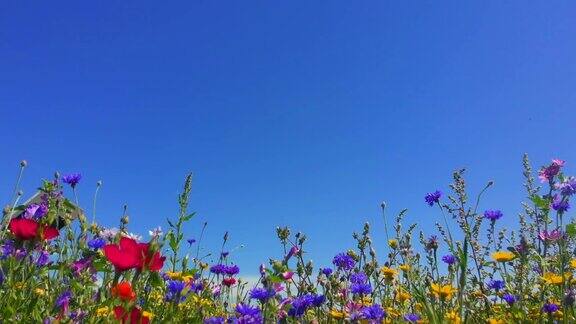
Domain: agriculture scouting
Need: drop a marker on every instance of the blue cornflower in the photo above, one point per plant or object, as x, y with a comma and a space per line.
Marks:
35, 211
64, 299
218, 269
191, 241
432, 198
510, 299
361, 288
301, 304
248, 314
43, 259
449, 259
560, 204
214, 320
550, 308
496, 284
318, 300
7, 249
262, 294
412, 318
344, 261
96, 243
567, 187
175, 288
374, 313
327, 271
493, 215
72, 179
359, 277
231, 270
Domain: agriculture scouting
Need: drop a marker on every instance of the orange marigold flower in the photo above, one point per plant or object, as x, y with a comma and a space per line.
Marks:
442, 291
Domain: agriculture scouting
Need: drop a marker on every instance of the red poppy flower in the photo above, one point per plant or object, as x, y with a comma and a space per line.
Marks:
130, 254
133, 317
24, 229
125, 255
153, 262
228, 281
124, 291
50, 232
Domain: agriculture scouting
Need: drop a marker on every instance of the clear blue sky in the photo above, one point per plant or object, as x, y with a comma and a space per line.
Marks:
307, 113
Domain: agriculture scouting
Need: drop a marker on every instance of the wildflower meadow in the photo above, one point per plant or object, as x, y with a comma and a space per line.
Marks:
58, 265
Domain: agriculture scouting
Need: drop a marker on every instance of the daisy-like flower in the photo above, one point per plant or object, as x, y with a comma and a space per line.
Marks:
503, 256
443, 292
156, 232
388, 273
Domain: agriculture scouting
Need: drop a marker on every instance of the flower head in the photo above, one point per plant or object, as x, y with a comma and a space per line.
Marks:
550, 308
123, 290
496, 284
449, 259
72, 179
503, 256
550, 236
326, 271
443, 292
412, 318
374, 313
432, 198
96, 243
548, 173
262, 294
510, 299
361, 288
493, 215
567, 187
344, 261
35, 211
560, 204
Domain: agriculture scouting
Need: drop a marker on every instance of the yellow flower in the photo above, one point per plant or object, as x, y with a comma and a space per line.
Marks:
495, 321
388, 273
442, 291
402, 295
367, 301
147, 314
503, 256
337, 314
174, 275
393, 243
405, 267
573, 263
453, 318
103, 312
554, 279
40, 292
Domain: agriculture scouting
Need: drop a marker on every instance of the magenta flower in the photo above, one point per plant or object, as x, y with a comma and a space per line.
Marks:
549, 172
551, 236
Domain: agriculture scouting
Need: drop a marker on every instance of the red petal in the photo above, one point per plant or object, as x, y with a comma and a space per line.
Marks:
50, 233
122, 260
24, 229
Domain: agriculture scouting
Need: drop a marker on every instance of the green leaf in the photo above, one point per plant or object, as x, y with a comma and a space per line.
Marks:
540, 202
571, 230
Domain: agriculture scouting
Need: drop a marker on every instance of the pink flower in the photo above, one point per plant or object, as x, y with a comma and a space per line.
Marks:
548, 173
550, 236
288, 275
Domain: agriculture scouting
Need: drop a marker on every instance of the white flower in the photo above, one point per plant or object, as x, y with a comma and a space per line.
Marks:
108, 233
156, 232
133, 236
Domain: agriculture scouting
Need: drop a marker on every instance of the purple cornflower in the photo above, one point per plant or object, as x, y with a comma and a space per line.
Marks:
318, 300
510, 299
327, 271
550, 308
493, 215
7, 249
218, 269
374, 313
567, 187
432, 198
361, 288
64, 299
191, 241
214, 320
301, 304
224, 254
72, 179
43, 259
344, 261
262, 294
35, 211
96, 243
231, 270
248, 314
449, 259
560, 204
175, 288
496, 284
359, 277
412, 318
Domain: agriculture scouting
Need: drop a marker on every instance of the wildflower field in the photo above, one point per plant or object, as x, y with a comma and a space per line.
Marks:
59, 266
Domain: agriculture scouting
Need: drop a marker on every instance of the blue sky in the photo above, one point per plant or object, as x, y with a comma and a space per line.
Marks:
301, 113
